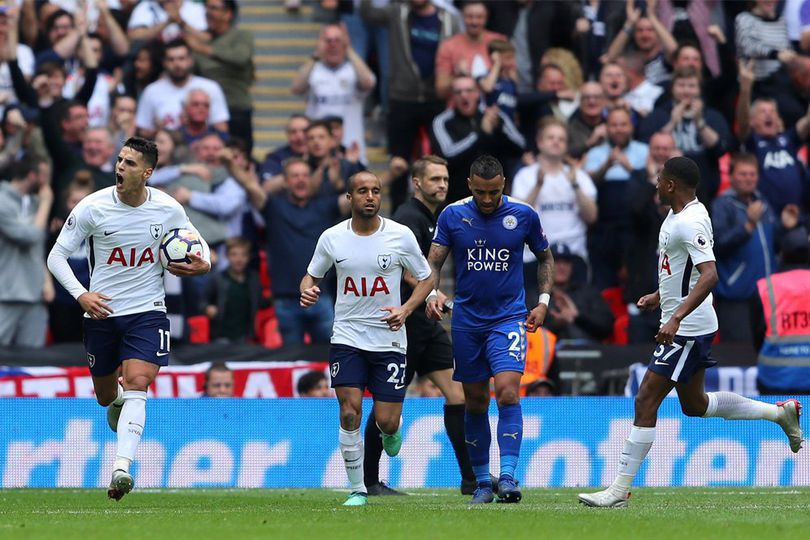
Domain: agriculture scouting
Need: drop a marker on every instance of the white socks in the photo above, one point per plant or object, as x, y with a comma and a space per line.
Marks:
351, 446
733, 406
636, 446
130, 428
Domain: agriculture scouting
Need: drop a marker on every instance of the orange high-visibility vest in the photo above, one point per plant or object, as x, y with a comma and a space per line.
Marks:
784, 359
540, 346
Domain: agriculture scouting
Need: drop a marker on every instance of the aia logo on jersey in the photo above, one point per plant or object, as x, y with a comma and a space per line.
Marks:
118, 256
665, 264
379, 286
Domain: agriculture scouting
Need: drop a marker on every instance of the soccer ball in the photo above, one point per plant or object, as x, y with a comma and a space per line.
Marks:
177, 244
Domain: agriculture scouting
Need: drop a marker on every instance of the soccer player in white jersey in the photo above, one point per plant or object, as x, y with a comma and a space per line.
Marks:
125, 321
686, 276
368, 342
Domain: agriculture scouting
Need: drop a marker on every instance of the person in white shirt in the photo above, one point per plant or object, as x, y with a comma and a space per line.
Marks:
165, 20
563, 195
368, 346
686, 276
336, 82
125, 324
161, 104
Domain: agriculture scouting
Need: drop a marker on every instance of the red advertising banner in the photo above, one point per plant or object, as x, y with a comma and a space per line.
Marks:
251, 380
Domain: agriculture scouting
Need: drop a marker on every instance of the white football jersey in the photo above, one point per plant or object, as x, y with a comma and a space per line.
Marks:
684, 242
369, 271
123, 244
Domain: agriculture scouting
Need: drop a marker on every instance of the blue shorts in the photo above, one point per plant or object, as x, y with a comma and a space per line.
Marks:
686, 356
382, 372
481, 354
141, 336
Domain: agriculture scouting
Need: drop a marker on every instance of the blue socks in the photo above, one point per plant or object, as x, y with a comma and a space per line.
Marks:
510, 433
478, 439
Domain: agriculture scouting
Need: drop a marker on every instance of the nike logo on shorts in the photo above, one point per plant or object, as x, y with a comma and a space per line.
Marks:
338, 261
108, 233
399, 386
162, 353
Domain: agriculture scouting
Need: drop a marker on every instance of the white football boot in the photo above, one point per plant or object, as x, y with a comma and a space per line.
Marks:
789, 413
603, 499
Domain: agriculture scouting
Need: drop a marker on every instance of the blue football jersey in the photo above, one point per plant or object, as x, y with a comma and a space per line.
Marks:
488, 255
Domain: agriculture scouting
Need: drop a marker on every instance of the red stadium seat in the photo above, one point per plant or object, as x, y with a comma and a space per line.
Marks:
621, 320
199, 329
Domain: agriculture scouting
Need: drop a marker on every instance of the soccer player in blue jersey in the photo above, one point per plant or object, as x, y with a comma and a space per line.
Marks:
486, 233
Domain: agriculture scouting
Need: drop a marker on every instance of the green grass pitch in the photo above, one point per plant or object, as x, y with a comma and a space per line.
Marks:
682, 513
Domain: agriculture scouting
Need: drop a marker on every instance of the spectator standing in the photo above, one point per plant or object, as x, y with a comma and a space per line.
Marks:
228, 60
336, 81
296, 146
650, 37
415, 30
563, 195
464, 131
161, 104
744, 230
456, 55
611, 165
25, 204
700, 133
25, 60
646, 215
294, 219
761, 34
194, 118
782, 176
777, 310
65, 314
165, 20
586, 127
233, 296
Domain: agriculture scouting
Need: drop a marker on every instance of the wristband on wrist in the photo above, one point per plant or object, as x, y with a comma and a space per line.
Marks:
433, 294
544, 299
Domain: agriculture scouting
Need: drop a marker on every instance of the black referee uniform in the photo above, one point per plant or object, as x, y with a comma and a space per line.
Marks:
429, 346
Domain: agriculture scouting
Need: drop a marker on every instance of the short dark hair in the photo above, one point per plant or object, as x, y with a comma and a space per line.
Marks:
50, 22
743, 157
486, 167
63, 112
350, 183
22, 168
317, 124
309, 380
176, 44
420, 165
683, 171
501, 46
146, 147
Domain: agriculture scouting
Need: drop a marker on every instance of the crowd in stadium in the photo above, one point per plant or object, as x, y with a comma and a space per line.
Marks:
582, 101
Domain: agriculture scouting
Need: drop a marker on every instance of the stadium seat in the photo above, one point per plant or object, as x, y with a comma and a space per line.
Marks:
614, 298
199, 329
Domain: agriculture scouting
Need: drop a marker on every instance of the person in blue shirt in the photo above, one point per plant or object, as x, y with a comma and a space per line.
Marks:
486, 233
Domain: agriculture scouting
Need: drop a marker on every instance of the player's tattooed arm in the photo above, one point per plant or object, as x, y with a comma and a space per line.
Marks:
545, 271
545, 280
310, 292
436, 257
